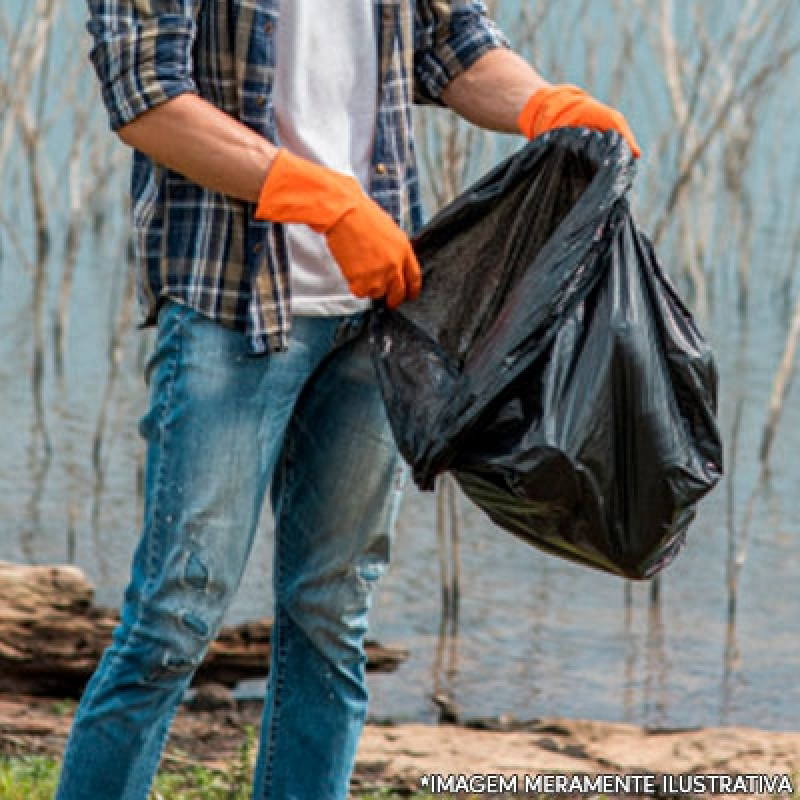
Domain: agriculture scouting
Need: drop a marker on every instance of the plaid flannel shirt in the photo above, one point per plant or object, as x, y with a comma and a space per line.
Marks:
204, 249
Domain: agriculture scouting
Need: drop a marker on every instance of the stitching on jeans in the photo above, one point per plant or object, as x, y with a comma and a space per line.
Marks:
158, 491
279, 628
125, 645
182, 314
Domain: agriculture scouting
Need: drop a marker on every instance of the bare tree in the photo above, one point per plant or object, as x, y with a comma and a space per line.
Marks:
57, 163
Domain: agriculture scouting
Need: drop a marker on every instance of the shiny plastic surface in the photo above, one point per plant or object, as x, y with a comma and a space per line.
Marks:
549, 364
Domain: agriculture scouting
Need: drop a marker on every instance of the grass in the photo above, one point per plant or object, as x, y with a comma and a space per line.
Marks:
35, 777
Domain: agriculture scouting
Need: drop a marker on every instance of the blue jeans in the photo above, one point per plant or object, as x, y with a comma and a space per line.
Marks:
222, 426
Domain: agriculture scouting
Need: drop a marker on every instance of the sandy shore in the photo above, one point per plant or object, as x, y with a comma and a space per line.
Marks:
405, 752
396, 756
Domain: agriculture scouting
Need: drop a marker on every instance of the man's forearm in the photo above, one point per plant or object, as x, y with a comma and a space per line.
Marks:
494, 90
211, 148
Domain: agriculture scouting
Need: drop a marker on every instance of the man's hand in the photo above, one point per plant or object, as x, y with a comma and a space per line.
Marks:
568, 106
373, 253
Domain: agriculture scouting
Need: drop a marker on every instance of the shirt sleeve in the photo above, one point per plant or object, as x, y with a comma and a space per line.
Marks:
142, 53
449, 36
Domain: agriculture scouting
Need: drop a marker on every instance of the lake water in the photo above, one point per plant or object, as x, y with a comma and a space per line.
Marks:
537, 636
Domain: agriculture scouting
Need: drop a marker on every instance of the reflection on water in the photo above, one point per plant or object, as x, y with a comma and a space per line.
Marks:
445, 663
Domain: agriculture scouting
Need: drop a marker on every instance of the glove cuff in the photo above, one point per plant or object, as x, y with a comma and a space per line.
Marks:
299, 191
533, 117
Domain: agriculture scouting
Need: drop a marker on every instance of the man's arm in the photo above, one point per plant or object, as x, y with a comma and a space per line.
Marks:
493, 92
503, 93
142, 53
211, 148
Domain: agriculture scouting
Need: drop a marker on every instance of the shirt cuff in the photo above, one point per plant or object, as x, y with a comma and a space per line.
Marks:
471, 36
143, 64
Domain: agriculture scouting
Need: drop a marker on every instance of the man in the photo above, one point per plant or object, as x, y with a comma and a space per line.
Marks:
273, 176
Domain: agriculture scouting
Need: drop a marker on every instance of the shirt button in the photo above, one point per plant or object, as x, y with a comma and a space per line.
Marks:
261, 101
380, 169
258, 247
268, 27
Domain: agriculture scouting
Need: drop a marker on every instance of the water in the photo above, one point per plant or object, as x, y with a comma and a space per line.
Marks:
542, 637
537, 636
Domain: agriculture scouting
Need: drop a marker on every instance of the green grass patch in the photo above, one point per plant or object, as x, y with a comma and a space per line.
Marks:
36, 777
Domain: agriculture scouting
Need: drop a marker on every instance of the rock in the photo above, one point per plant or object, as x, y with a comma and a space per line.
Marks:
212, 697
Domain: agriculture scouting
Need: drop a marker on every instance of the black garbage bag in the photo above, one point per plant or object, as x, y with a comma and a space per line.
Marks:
549, 365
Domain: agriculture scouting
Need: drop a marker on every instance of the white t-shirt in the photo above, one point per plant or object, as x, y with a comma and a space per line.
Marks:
325, 96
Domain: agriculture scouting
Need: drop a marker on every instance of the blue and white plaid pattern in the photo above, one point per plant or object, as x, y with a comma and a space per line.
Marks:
204, 249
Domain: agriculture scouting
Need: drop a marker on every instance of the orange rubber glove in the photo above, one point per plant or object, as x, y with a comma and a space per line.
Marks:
569, 106
373, 253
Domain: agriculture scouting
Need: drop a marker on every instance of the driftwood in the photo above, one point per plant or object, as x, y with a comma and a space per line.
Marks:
52, 636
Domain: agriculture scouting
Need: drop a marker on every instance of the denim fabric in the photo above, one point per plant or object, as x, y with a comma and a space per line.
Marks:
222, 426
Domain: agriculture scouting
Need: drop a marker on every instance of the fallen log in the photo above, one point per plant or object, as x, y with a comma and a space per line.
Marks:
52, 636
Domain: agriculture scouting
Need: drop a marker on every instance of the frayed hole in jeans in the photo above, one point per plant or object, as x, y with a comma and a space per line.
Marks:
199, 627
197, 574
370, 571
173, 666
176, 663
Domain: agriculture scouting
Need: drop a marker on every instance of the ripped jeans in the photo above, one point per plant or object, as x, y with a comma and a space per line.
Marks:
222, 426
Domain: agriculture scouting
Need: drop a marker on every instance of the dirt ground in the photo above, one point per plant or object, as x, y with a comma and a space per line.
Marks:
395, 756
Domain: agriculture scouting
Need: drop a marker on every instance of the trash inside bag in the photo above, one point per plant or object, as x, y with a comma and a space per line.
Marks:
549, 365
